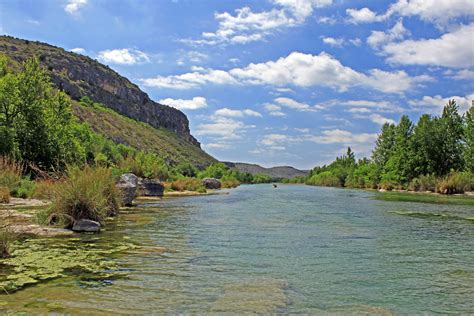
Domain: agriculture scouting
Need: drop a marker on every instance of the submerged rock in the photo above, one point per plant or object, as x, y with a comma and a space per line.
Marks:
150, 187
86, 225
128, 184
211, 183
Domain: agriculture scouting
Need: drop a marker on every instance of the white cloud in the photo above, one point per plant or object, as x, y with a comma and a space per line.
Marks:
463, 74
439, 12
275, 139
125, 56
379, 38
274, 110
298, 69
221, 128
364, 15
78, 50
379, 119
236, 113
337, 42
193, 104
248, 26
342, 136
327, 20
453, 49
295, 105
434, 105
73, 6
187, 57
302, 130
216, 146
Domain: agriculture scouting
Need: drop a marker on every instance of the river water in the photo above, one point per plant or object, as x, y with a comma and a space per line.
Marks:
293, 249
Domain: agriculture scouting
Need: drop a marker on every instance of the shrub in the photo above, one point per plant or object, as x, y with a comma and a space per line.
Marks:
89, 193
456, 182
6, 238
228, 183
10, 173
145, 165
186, 184
45, 190
4, 195
423, 183
325, 178
24, 189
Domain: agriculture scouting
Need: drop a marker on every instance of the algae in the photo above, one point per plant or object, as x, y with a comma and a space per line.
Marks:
36, 260
425, 198
430, 215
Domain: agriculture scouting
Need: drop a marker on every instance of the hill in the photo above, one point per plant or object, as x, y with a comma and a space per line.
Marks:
279, 172
128, 117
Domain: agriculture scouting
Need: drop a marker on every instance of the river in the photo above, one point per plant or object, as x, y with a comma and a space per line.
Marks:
292, 249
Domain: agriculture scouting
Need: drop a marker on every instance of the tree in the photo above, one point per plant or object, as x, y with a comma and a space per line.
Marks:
384, 145
468, 153
451, 132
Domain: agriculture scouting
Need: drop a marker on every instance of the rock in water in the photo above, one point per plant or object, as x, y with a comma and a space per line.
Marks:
128, 183
86, 225
150, 187
211, 183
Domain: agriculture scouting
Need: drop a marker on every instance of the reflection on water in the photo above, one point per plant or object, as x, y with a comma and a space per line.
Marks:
259, 250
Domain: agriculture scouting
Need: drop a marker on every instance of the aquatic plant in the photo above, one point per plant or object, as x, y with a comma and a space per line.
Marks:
87, 193
6, 238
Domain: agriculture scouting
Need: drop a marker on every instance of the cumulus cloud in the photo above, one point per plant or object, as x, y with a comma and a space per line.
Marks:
125, 56
342, 136
297, 69
274, 110
454, 49
217, 146
435, 104
463, 74
181, 104
439, 12
246, 26
237, 113
337, 42
295, 105
379, 38
380, 120
221, 128
78, 50
73, 6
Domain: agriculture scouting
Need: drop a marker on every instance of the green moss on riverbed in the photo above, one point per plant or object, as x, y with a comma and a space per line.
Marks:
38, 260
425, 198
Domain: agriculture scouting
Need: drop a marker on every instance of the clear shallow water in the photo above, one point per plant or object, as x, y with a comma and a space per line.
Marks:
294, 249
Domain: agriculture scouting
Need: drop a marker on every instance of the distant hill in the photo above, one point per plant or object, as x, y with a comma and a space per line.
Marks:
274, 172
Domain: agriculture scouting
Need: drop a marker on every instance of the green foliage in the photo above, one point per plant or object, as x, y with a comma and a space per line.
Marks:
468, 153
424, 183
88, 193
260, 178
456, 182
145, 165
216, 170
10, 173
365, 175
324, 178
24, 189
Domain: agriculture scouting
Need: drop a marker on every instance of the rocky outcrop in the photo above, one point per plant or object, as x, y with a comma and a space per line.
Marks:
128, 184
211, 183
150, 187
86, 225
81, 76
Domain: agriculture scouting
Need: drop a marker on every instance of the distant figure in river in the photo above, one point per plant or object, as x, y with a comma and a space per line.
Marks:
274, 185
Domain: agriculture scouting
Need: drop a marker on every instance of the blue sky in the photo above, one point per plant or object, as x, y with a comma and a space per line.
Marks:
274, 82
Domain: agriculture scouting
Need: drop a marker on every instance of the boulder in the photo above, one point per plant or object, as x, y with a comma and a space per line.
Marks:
128, 184
86, 225
150, 187
211, 183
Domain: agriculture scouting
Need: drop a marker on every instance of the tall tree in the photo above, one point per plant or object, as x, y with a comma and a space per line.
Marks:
384, 145
450, 147
468, 153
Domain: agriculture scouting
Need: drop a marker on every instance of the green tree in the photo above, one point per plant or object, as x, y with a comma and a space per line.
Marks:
468, 153
384, 145
451, 132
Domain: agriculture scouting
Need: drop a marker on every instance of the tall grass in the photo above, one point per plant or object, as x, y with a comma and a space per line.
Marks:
88, 193
6, 238
186, 184
4, 195
423, 183
10, 173
456, 182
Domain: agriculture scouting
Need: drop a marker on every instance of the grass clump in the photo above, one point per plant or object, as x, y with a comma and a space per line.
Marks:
6, 239
456, 182
4, 195
88, 193
186, 184
229, 183
10, 173
423, 183
45, 189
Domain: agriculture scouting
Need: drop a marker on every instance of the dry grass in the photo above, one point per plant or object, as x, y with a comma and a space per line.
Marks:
456, 182
230, 183
88, 193
46, 189
186, 184
4, 195
10, 173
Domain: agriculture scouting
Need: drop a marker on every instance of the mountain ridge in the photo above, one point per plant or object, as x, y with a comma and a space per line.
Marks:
277, 172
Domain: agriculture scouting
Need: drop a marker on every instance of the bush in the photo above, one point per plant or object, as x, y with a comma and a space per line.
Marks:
45, 190
4, 195
6, 238
10, 173
89, 193
325, 178
145, 165
24, 189
229, 183
423, 183
186, 184
456, 182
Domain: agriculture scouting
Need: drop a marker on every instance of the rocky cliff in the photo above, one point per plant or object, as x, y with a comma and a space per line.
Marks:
80, 76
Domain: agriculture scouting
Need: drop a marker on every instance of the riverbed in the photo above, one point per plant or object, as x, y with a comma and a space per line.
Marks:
259, 249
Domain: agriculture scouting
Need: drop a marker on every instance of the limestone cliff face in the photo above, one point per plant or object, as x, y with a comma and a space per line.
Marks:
80, 76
